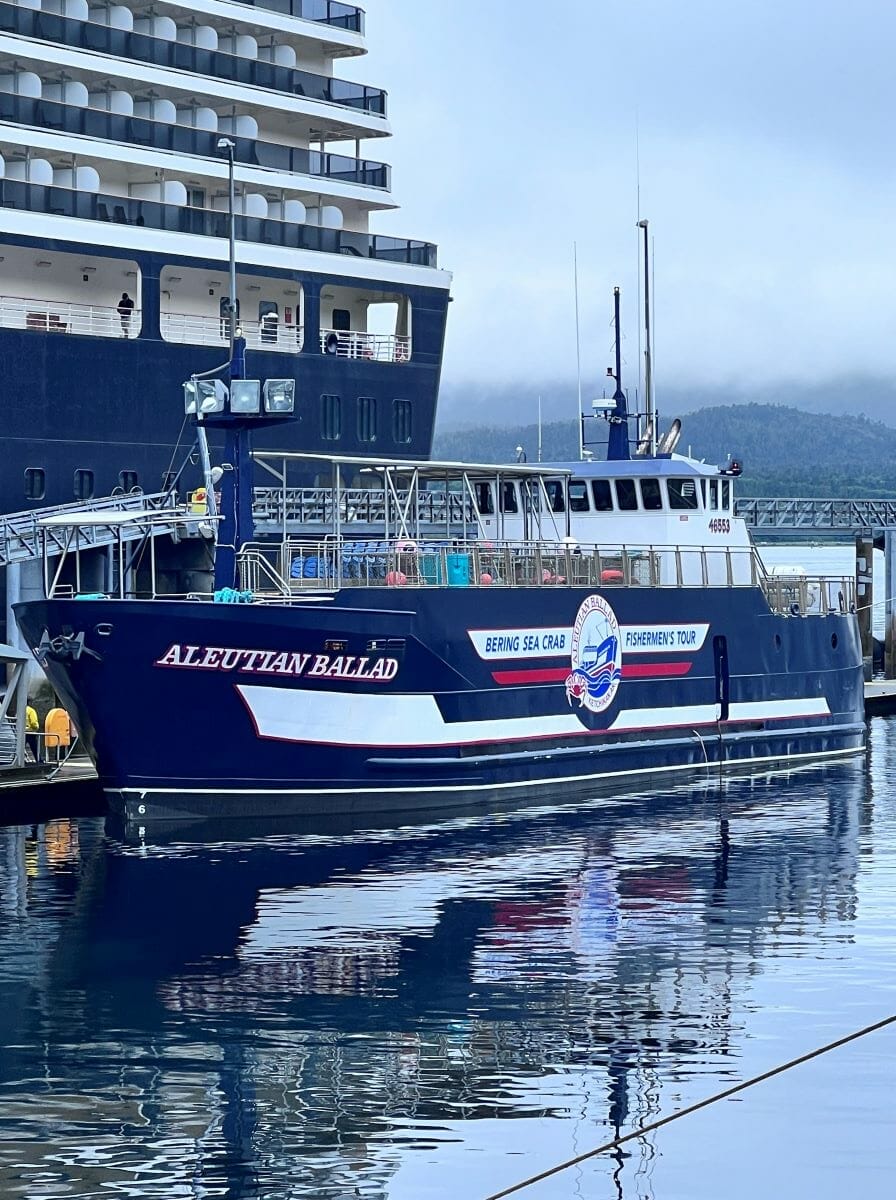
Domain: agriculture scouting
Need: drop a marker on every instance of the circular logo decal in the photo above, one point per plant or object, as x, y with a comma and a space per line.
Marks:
596, 656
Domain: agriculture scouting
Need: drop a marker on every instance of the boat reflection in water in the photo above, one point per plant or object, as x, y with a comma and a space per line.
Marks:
287, 1014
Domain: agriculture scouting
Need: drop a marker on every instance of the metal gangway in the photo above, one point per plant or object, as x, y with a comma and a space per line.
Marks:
802, 516
23, 534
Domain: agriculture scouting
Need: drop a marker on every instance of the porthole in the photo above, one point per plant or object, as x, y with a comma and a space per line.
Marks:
833, 641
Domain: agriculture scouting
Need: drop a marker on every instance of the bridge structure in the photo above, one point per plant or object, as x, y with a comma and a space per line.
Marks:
805, 517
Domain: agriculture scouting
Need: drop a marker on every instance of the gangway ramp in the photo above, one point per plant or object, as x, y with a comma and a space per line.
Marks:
103, 522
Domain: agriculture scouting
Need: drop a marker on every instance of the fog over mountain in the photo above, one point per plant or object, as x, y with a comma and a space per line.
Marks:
785, 452
513, 405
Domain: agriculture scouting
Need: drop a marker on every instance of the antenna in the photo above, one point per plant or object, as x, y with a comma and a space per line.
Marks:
648, 365
539, 428
642, 429
575, 276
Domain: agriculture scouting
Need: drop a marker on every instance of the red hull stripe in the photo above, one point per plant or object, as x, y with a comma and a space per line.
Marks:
559, 674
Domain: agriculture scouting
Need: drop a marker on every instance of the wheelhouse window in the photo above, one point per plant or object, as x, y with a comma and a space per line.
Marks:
83, 485
366, 419
35, 483
682, 493
401, 421
626, 495
509, 502
554, 489
713, 494
602, 495
726, 494
484, 500
651, 495
331, 418
578, 496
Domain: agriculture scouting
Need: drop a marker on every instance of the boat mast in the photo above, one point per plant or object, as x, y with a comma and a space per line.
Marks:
648, 364
580, 421
617, 444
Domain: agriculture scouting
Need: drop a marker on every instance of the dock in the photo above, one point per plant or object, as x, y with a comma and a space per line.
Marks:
880, 697
30, 796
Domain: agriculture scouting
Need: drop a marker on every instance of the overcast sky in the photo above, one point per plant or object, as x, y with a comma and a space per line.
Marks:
766, 170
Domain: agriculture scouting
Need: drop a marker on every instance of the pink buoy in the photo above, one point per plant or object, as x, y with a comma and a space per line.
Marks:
396, 579
485, 579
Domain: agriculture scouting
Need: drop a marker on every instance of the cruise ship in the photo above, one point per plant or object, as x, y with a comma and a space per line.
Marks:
120, 125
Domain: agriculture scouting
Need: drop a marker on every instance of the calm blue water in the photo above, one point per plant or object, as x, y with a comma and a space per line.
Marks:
443, 1010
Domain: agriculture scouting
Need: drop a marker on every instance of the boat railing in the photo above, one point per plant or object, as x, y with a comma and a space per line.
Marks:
296, 568
207, 330
63, 316
356, 343
364, 506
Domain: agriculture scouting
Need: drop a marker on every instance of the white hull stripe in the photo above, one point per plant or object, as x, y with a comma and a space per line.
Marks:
783, 766
396, 721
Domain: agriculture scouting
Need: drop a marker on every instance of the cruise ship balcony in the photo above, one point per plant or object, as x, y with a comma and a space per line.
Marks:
325, 12
268, 332
356, 343
92, 122
128, 45
61, 201
61, 316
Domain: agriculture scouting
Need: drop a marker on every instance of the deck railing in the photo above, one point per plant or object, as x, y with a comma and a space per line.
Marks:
61, 316
197, 330
296, 568
354, 343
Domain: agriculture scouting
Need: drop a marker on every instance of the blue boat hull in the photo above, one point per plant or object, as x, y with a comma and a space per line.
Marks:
405, 699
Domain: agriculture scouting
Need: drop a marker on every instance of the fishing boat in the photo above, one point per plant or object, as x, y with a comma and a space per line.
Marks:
396, 635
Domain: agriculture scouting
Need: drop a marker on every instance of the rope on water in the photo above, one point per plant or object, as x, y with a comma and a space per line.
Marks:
692, 1108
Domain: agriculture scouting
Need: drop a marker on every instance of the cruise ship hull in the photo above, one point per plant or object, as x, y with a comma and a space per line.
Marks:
391, 699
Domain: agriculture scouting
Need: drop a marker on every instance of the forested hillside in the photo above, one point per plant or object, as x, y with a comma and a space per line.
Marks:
785, 452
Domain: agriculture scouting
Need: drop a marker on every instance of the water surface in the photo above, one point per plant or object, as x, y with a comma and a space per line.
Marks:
442, 1010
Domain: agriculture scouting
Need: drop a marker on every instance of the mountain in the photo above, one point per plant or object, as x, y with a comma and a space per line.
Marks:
785, 451
492, 404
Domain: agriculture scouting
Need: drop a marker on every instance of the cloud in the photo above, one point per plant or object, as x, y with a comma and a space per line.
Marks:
761, 131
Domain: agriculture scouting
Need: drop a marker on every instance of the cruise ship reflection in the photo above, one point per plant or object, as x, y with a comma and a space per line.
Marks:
285, 1014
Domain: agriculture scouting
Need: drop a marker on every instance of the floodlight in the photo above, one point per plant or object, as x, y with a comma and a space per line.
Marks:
279, 395
245, 395
204, 396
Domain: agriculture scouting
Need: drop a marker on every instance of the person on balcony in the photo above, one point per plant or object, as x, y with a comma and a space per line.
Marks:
125, 308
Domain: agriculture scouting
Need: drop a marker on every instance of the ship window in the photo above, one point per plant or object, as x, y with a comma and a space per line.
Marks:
726, 494
401, 421
169, 481
509, 502
626, 496
703, 492
484, 501
554, 489
651, 496
330, 418
342, 319
713, 494
35, 483
128, 480
366, 419
601, 495
578, 495
83, 485
682, 493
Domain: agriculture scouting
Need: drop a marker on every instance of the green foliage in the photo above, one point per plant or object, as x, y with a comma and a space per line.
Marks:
785, 452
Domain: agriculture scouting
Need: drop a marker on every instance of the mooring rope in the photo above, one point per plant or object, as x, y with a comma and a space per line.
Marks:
692, 1108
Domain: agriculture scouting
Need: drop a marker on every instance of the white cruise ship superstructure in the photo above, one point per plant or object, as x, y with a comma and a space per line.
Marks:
117, 123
